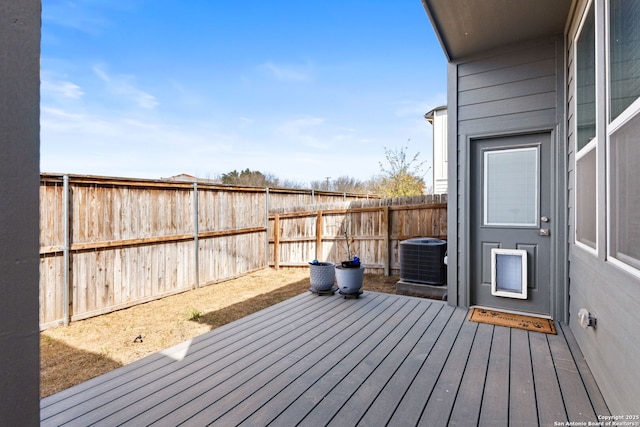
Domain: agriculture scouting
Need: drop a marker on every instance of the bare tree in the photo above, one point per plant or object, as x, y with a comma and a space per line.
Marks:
401, 177
342, 184
249, 178
347, 184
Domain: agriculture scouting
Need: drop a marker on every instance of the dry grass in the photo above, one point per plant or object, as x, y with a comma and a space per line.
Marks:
88, 348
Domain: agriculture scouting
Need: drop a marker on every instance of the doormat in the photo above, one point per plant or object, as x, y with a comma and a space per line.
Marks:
498, 318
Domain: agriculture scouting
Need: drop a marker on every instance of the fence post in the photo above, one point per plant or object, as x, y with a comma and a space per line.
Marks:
196, 232
319, 236
66, 276
276, 241
386, 249
266, 228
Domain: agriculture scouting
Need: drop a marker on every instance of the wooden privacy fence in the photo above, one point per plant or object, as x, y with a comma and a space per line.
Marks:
110, 243
298, 236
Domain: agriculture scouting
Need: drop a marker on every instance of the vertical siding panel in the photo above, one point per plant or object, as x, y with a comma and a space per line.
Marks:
508, 90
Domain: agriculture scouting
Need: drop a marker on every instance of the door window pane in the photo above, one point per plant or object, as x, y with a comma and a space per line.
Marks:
511, 187
586, 82
624, 56
625, 193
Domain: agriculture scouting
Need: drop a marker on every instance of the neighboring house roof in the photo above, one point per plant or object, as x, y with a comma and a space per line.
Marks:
185, 177
430, 114
466, 27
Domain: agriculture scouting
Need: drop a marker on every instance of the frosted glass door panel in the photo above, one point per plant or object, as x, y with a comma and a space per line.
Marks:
509, 273
511, 187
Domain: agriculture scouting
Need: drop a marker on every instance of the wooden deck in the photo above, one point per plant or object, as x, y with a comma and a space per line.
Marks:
324, 360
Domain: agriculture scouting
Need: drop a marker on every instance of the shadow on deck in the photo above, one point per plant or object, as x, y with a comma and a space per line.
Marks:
323, 360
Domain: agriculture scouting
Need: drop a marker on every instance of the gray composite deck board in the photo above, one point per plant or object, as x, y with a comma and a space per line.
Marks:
570, 380
324, 360
317, 382
521, 382
548, 394
418, 394
292, 375
210, 396
375, 394
597, 401
466, 410
386, 402
437, 411
136, 386
495, 400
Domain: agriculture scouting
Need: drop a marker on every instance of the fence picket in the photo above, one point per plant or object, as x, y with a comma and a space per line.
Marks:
131, 240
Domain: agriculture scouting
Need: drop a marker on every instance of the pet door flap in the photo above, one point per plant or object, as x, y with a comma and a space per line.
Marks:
509, 273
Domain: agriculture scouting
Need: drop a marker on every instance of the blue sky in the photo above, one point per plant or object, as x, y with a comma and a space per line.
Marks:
301, 90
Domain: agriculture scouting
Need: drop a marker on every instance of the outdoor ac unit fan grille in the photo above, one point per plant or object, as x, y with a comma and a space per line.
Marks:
422, 261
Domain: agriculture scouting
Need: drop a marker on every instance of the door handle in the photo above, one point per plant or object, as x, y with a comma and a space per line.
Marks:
544, 219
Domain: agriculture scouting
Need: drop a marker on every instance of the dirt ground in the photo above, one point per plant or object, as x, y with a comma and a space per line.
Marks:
88, 348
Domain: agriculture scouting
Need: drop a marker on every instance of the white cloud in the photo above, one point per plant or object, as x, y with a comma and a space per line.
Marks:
79, 15
287, 72
114, 144
145, 100
304, 130
102, 74
246, 122
412, 108
52, 116
187, 96
91, 17
302, 123
419, 108
124, 88
60, 88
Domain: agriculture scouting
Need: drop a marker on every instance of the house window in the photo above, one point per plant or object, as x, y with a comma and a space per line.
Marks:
624, 131
624, 55
586, 141
586, 203
625, 193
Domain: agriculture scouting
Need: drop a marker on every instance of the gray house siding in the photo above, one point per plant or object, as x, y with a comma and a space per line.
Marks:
611, 294
511, 90
19, 223
517, 89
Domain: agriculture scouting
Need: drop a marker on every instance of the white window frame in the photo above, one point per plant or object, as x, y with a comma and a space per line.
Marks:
593, 143
623, 118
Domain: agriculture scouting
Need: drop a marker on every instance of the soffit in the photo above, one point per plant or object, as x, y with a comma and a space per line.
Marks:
467, 27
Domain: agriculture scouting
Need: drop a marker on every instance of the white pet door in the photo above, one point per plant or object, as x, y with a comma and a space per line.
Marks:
509, 273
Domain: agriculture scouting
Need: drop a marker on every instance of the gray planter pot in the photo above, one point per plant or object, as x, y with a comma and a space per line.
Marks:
322, 276
349, 279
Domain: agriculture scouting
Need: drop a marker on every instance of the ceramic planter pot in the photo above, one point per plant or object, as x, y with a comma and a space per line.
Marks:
349, 279
322, 276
